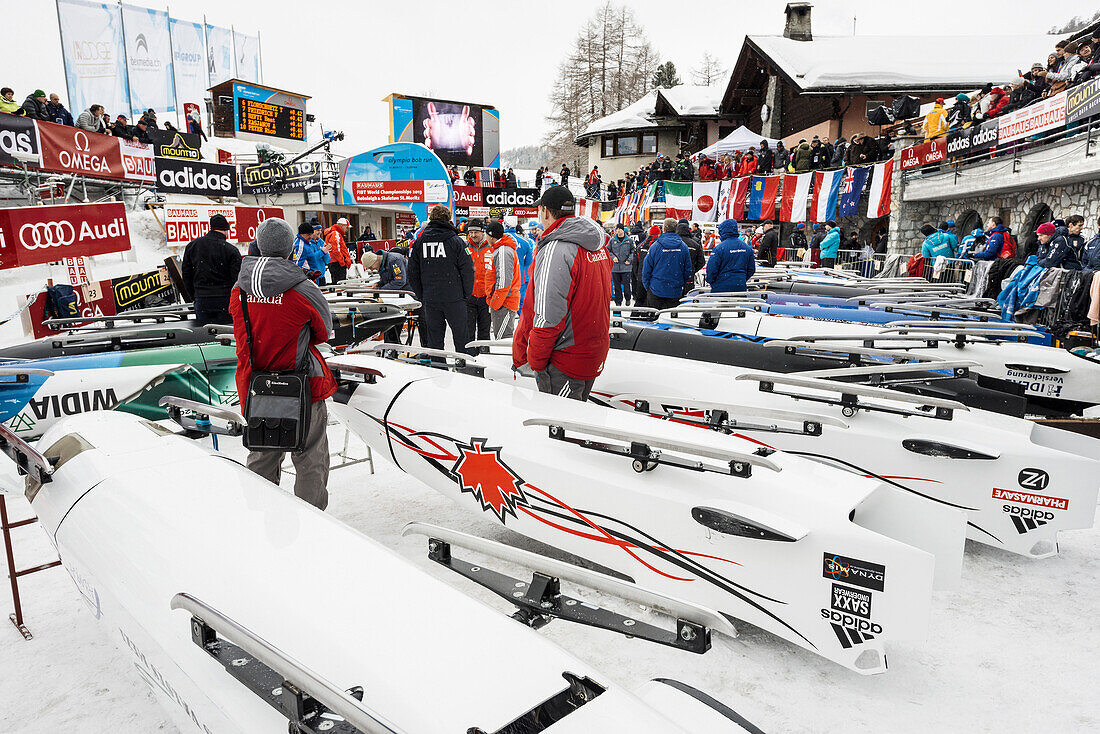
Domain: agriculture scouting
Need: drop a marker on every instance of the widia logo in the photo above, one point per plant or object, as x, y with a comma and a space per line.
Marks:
73, 403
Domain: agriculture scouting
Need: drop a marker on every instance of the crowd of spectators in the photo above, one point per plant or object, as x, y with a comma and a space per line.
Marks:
95, 119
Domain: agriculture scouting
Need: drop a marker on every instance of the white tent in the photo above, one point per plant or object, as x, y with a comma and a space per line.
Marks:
740, 139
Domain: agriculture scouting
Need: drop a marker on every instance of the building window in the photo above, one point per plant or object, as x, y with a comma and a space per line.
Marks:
629, 144
608, 146
626, 145
649, 143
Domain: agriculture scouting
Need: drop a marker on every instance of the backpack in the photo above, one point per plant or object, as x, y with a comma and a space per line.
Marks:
1008, 248
61, 302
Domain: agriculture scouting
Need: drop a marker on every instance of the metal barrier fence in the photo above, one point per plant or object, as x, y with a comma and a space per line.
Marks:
862, 262
952, 270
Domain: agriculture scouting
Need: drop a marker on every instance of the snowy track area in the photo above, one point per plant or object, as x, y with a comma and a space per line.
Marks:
1013, 650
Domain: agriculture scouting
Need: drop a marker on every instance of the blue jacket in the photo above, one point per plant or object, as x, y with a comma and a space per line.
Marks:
831, 244
1090, 258
667, 267
393, 271
1063, 251
732, 263
308, 255
1021, 290
968, 242
525, 253
937, 244
994, 241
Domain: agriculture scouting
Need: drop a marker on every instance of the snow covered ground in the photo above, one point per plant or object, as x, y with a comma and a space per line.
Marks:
1014, 650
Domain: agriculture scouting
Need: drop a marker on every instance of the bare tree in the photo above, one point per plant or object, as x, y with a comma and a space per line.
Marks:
608, 67
709, 71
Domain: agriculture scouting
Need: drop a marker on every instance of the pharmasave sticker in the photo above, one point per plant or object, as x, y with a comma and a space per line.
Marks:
1025, 498
854, 571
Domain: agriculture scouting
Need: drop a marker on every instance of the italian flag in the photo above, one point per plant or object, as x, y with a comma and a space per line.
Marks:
678, 199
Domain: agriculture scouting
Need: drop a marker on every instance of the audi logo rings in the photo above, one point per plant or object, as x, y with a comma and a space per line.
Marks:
47, 234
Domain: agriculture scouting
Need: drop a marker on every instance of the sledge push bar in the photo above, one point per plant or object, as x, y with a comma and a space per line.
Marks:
850, 394
811, 423
682, 610
27, 459
959, 368
203, 412
810, 343
204, 616
644, 448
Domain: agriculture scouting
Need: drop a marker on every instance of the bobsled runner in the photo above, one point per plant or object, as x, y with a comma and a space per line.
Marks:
130, 381
1050, 377
1018, 483
803, 550
184, 557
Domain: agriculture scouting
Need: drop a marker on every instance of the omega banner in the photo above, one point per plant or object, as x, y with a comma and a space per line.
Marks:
474, 201
42, 234
201, 178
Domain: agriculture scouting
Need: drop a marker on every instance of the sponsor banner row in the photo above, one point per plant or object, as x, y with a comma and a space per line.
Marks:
185, 222
1045, 115
281, 178
476, 201
32, 235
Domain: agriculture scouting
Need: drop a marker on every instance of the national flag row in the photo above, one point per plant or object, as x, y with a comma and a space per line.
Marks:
632, 207
753, 198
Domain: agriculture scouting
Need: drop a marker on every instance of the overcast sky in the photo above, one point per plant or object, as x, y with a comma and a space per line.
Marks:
349, 54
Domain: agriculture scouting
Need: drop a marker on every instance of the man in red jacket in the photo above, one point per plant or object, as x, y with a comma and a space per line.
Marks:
563, 329
289, 318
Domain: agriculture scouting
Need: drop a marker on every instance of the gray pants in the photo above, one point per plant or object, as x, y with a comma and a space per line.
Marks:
310, 464
503, 323
555, 382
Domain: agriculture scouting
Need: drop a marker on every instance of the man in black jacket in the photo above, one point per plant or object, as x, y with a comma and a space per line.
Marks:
441, 274
210, 269
769, 243
695, 247
34, 106
765, 161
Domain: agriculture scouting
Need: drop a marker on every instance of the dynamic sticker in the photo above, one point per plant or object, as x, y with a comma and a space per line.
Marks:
854, 571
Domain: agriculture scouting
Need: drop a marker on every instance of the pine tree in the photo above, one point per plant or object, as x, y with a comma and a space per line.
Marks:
665, 77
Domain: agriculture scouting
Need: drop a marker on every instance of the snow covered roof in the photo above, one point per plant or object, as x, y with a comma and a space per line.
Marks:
887, 62
688, 100
684, 100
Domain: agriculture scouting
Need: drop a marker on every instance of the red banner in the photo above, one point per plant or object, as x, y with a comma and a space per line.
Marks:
468, 196
933, 151
41, 234
185, 222
137, 161
388, 192
72, 150
249, 218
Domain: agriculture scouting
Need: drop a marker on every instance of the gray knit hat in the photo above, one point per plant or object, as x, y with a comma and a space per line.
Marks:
274, 238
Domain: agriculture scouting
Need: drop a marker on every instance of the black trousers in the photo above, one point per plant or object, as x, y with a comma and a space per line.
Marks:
437, 317
339, 273
212, 310
828, 262
478, 320
620, 285
659, 303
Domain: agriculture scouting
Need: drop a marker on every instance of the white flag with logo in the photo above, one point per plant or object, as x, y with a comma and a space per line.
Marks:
247, 49
189, 67
94, 53
149, 61
219, 54
705, 201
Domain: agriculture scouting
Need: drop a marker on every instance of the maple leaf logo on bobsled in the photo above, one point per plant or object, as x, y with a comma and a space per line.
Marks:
481, 472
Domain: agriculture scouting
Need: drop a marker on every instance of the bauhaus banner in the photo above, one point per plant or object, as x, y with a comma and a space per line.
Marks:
94, 53
41, 234
148, 61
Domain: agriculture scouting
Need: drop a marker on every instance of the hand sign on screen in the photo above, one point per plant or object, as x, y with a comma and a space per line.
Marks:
449, 130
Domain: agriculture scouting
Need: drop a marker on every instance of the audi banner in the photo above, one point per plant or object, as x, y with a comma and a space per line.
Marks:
19, 141
72, 150
42, 234
201, 178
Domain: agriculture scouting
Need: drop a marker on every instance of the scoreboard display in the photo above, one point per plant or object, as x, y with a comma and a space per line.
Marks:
258, 113
275, 120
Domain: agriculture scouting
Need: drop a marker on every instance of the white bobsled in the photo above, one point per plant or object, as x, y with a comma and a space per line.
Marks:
798, 548
245, 608
1049, 373
1018, 483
